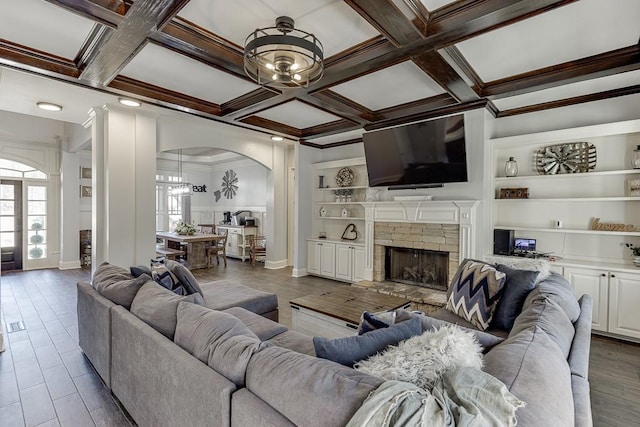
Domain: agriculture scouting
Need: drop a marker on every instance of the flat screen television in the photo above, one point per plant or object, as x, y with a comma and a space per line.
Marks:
418, 155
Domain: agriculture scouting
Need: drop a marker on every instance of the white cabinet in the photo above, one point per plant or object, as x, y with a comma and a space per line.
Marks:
237, 246
321, 259
615, 298
340, 261
596, 284
624, 295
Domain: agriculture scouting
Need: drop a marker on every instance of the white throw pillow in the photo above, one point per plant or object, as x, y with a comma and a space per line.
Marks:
422, 360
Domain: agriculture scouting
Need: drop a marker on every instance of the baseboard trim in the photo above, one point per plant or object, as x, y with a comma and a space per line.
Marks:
70, 265
275, 265
299, 272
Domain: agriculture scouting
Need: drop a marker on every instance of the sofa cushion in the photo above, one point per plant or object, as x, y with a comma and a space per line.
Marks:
185, 277
295, 341
558, 289
423, 359
264, 328
475, 291
223, 294
349, 350
486, 340
579, 354
157, 306
517, 286
218, 339
547, 315
116, 284
534, 369
139, 270
309, 391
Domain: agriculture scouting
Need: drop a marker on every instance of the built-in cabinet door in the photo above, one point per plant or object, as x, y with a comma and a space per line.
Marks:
624, 295
232, 244
328, 259
313, 258
594, 283
359, 260
344, 262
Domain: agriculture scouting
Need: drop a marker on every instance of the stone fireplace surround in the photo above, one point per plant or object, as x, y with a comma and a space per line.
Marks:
448, 226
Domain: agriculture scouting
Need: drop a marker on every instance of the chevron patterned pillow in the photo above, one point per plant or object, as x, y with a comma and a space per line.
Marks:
475, 292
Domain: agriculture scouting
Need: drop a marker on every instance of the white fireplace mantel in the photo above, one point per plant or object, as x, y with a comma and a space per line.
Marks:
461, 212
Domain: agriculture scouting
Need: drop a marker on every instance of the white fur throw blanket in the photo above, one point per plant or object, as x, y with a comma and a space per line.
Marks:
424, 359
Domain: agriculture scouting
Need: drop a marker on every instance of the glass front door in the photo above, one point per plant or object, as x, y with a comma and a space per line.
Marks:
11, 224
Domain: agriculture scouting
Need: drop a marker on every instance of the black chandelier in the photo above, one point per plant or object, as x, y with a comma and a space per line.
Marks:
283, 56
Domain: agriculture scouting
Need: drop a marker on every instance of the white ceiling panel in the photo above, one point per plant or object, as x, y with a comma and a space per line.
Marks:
20, 91
171, 70
49, 28
234, 21
339, 137
432, 5
298, 114
580, 29
402, 83
568, 91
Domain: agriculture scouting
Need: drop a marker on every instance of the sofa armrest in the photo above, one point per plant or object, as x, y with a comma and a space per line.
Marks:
94, 329
159, 383
581, 346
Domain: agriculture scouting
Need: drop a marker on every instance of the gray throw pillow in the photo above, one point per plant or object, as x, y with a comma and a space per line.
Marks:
349, 350
516, 288
116, 284
185, 277
157, 307
218, 339
139, 270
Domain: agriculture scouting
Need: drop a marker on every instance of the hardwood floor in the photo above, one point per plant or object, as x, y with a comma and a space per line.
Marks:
45, 380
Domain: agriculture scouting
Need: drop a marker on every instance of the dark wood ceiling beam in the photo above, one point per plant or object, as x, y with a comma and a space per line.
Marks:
273, 126
330, 128
451, 30
387, 18
415, 107
331, 144
274, 101
114, 51
188, 39
602, 65
336, 104
443, 111
455, 56
247, 100
105, 12
442, 73
181, 101
19, 56
614, 93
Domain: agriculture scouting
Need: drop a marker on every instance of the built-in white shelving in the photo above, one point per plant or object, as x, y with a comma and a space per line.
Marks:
569, 230
569, 176
573, 199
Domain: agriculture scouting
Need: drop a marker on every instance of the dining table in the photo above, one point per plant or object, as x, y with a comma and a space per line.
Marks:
194, 246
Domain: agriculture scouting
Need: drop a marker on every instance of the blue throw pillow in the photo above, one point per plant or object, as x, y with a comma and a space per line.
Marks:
474, 292
371, 322
516, 288
349, 350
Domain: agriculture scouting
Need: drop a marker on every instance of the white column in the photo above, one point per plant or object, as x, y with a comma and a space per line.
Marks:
70, 212
276, 227
123, 162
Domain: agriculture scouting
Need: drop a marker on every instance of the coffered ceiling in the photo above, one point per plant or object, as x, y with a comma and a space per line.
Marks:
387, 62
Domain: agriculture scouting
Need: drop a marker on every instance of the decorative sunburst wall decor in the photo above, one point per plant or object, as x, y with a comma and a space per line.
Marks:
230, 184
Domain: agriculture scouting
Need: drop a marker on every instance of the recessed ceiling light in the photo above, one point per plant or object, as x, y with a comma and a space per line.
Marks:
49, 106
276, 138
129, 102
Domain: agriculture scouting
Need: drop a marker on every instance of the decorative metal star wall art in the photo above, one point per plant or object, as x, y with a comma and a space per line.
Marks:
230, 184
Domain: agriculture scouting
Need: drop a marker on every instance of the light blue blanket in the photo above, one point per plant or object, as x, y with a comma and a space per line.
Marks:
463, 397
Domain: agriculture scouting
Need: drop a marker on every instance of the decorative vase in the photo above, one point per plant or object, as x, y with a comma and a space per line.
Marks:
511, 167
636, 261
635, 160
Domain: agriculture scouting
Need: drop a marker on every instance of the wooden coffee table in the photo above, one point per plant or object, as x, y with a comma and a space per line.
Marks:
336, 313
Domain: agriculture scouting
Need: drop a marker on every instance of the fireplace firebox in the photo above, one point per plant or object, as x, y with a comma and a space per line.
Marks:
418, 267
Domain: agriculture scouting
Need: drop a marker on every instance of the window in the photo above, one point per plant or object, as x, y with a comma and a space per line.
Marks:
169, 207
9, 168
36, 221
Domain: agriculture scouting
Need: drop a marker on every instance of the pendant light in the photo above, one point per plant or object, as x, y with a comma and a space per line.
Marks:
183, 188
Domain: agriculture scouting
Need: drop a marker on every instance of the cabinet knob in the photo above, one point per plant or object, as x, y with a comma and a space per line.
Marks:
613, 275
604, 275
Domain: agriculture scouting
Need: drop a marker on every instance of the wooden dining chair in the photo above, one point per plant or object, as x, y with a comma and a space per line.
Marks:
217, 249
207, 228
257, 248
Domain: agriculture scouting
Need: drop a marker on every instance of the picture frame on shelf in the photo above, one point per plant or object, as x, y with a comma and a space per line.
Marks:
86, 191
85, 173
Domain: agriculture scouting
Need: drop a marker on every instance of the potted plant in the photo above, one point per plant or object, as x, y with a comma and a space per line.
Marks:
635, 250
185, 228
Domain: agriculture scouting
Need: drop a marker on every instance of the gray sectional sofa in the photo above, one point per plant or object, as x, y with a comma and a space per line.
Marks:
543, 361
